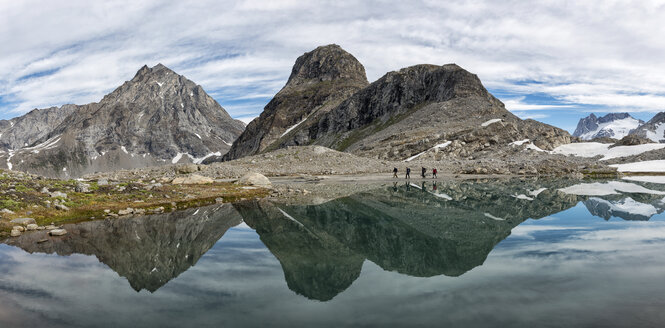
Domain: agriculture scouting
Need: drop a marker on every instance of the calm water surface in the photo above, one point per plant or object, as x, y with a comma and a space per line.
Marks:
468, 254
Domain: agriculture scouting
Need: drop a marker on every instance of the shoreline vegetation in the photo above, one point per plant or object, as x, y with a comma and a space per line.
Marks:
52, 202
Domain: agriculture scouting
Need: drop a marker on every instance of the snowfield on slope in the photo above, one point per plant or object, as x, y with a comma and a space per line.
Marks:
593, 149
646, 166
618, 129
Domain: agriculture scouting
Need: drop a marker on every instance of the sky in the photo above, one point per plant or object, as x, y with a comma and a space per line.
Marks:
554, 61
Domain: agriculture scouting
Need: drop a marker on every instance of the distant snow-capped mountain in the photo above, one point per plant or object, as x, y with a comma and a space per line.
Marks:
613, 125
654, 129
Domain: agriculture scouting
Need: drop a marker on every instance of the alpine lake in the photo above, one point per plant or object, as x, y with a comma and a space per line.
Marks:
424, 253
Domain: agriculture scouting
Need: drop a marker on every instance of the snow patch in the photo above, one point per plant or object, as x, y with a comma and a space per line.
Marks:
609, 188
522, 196
293, 127
651, 179
629, 205
593, 149
444, 196
492, 121
198, 135
124, 149
520, 142
645, 166
494, 217
536, 192
439, 146
195, 160
658, 134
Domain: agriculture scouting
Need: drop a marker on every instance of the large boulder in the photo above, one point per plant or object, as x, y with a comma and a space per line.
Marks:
192, 179
255, 179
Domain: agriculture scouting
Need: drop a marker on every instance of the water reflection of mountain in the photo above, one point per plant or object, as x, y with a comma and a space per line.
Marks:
149, 251
406, 228
626, 208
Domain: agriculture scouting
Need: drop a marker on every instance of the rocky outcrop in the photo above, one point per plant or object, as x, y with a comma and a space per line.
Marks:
653, 130
148, 251
158, 117
319, 81
612, 125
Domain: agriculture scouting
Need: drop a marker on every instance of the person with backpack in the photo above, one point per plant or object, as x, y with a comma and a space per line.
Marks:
423, 172
433, 173
408, 173
394, 172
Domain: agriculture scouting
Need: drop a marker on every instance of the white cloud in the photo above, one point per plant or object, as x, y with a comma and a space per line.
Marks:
603, 54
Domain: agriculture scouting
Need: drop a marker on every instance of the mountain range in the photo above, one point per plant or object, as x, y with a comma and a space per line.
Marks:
620, 125
159, 117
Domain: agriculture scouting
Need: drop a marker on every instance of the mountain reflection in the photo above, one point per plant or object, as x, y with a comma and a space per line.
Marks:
149, 251
419, 229
410, 229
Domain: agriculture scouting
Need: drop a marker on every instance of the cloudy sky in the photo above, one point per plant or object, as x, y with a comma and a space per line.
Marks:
554, 61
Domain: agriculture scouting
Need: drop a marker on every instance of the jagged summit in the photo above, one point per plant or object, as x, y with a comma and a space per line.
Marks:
326, 63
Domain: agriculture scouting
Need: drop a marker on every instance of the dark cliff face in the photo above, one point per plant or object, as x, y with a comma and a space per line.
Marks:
158, 117
320, 79
149, 251
587, 124
327, 102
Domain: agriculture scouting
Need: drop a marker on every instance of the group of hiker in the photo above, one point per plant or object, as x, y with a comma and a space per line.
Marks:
408, 173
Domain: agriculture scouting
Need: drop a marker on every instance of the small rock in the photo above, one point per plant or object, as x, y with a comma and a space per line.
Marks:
139, 211
127, 211
18, 228
82, 187
32, 227
102, 182
42, 241
50, 227
6, 211
61, 207
58, 232
219, 200
45, 191
58, 194
107, 211
15, 233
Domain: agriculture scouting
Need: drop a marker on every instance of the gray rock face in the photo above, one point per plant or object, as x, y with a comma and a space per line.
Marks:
158, 117
25, 130
612, 125
319, 81
653, 130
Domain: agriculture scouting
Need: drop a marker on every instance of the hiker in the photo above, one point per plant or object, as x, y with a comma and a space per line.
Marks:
434, 186
408, 173
423, 172
433, 173
394, 172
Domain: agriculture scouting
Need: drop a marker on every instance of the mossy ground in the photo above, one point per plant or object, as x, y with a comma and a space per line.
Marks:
23, 196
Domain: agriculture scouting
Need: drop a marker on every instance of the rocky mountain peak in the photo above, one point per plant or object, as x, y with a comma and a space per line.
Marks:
653, 130
326, 63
